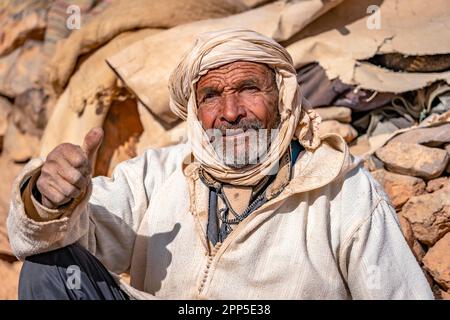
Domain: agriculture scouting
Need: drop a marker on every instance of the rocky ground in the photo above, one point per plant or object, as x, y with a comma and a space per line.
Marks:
415, 177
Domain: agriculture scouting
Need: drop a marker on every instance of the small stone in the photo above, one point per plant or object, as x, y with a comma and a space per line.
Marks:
436, 184
432, 136
364, 145
413, 159
400, 188
429, 215
342, 114
437, 262
344, 130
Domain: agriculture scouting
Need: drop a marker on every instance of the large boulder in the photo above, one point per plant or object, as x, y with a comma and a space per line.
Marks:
400, 188
429, 215
413, 159
437, 262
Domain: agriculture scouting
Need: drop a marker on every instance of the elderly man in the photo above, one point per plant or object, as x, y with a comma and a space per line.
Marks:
255, 206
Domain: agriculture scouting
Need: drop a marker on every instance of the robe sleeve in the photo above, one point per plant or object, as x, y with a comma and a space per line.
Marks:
105, 220
380, 263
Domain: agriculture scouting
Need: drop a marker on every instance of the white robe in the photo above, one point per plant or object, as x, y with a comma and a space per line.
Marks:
331, 234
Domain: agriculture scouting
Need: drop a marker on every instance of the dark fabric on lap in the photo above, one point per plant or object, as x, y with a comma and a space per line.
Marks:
69, 273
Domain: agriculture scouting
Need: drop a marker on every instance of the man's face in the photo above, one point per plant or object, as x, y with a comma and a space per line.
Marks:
236, 102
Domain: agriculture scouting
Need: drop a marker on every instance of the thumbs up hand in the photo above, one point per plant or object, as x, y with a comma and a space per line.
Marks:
68, 170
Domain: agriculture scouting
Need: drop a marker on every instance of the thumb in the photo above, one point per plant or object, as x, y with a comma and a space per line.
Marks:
92, 142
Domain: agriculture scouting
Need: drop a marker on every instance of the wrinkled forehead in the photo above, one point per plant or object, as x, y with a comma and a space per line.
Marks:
237, 70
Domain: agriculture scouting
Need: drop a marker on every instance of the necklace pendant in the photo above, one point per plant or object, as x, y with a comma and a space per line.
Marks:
225, 230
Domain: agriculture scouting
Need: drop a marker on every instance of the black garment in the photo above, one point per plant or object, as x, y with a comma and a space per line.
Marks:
69, 273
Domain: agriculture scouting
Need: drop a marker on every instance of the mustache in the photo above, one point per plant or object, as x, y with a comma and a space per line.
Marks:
243, 125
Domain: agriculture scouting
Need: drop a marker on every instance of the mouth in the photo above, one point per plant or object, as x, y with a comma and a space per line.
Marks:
234, 133
237, 132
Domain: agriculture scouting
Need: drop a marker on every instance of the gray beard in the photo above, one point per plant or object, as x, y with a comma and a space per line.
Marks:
244, 150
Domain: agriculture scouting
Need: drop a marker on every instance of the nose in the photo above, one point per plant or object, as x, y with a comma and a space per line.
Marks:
232, 110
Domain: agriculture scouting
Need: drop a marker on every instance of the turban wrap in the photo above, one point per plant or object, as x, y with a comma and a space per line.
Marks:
214, 49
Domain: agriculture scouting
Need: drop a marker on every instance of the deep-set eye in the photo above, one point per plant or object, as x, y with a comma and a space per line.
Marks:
209, 96
250, 88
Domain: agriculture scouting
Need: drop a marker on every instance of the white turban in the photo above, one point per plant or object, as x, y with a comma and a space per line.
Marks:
214, 49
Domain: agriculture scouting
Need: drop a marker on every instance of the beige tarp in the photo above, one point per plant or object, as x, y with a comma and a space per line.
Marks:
336, 38
78, 106
94, 85
146, 65
124, 15
411, 27
94, 81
